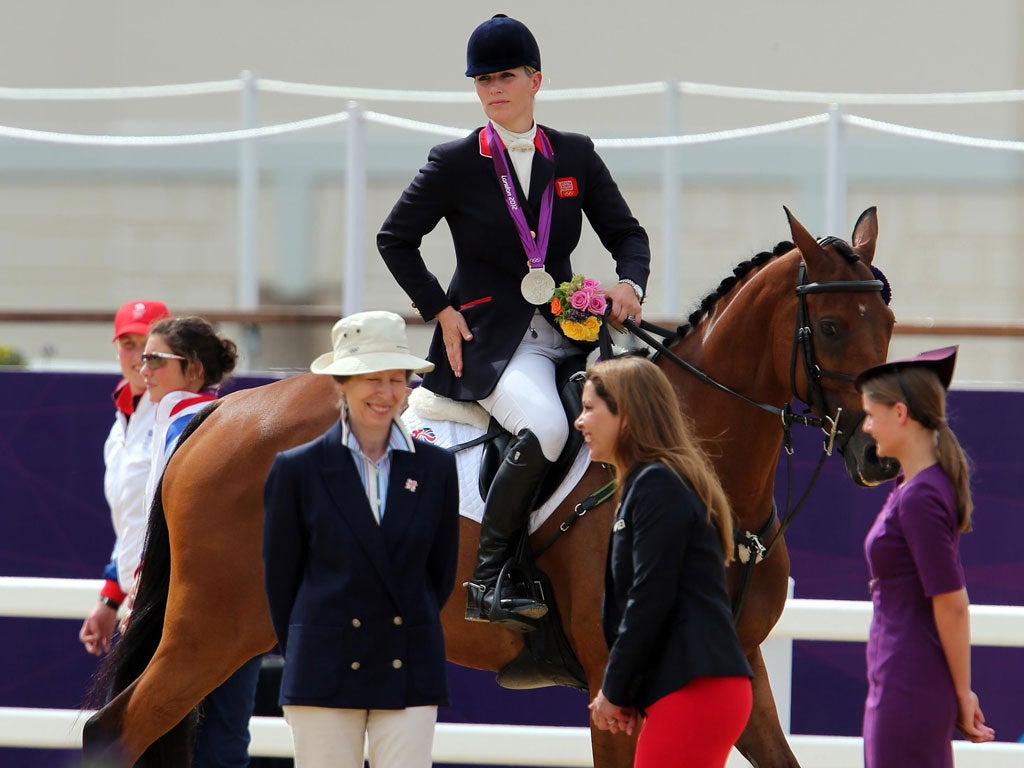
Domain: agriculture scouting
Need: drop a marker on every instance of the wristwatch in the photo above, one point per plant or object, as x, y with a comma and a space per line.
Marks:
636, 288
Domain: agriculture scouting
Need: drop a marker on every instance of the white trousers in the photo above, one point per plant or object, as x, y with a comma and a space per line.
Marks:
526, 396
329, 737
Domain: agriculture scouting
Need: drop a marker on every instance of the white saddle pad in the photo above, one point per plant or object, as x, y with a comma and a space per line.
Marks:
451, 433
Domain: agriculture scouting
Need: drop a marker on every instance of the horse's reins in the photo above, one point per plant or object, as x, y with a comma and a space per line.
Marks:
749, 545
801, 342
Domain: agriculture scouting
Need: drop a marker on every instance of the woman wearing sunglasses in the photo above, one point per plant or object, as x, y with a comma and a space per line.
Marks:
183, 366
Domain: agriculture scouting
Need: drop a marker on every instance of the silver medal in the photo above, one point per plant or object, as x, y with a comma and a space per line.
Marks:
537, 287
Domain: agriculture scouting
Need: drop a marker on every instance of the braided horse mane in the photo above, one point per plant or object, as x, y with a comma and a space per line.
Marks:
744, 268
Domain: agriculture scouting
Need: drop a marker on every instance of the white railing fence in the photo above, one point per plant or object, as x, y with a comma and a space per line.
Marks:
836, 119
826, 620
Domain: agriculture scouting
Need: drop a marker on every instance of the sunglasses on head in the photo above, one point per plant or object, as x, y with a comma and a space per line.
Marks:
157, 360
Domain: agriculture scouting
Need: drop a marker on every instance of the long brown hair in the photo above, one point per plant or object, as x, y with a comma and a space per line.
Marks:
920, 385
655, 429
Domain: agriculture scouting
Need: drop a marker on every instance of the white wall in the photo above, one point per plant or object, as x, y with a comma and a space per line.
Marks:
872, 45
92, 228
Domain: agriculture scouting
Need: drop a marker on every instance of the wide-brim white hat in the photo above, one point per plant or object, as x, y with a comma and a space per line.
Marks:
369, 342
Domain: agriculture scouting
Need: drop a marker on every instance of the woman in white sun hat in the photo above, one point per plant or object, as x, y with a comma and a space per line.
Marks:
360, 551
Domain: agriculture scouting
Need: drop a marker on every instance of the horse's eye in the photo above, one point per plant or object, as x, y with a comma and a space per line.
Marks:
829, 328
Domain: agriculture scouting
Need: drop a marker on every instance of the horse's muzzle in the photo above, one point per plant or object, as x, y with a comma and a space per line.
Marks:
863, 463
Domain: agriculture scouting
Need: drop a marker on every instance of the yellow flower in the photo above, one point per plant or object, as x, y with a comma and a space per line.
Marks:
585, 331
573, 330
591, 327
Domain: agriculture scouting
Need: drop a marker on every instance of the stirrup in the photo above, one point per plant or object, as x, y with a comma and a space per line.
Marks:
521, 607
519, 613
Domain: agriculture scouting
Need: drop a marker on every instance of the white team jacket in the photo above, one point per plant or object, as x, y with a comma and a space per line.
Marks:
127, 456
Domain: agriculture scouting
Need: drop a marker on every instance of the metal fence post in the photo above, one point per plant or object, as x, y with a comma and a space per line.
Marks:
835, 172
248, 287
355, 211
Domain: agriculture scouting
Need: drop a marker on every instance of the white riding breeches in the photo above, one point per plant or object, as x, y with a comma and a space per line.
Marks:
327, 737
526, 396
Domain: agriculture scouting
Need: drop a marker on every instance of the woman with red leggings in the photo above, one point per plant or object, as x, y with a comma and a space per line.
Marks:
674, 657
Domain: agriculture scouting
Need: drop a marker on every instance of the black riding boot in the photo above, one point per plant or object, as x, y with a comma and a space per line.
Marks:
509, 502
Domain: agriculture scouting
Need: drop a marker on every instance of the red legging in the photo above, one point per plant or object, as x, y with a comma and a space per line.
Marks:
695, 726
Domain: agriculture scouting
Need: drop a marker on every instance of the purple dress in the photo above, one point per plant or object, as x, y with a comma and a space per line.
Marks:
913, 554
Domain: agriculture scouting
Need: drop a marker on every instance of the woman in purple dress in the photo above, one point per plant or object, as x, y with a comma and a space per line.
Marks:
919, 646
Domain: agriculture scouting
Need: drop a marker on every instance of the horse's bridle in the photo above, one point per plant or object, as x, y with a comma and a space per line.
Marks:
803, 347
803, 344
750, 546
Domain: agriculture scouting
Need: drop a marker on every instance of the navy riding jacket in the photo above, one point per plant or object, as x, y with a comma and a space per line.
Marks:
459, 184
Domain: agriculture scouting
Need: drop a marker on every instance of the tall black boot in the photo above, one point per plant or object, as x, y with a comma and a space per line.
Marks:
509, 502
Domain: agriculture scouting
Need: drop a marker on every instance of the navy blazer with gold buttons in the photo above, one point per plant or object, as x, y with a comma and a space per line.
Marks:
355, 605
666, 612
459, 184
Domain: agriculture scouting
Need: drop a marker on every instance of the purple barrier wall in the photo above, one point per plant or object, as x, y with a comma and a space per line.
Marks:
55, 523
826, 547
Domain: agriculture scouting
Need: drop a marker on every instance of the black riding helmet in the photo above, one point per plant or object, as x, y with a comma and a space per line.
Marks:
501, 43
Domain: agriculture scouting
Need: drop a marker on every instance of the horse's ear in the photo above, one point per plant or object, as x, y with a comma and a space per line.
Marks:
802, 239
865, 233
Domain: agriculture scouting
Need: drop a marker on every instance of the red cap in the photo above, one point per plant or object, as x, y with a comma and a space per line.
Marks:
137, 316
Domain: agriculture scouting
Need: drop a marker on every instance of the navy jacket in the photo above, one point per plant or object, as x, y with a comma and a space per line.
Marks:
458, 184
666, 612
355, 605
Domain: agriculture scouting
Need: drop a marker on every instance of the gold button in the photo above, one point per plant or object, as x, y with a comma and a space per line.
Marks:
355, 665
533, 234
397, 663
357, 623
397, 620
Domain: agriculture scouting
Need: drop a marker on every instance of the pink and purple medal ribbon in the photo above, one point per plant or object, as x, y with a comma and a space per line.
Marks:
536, 280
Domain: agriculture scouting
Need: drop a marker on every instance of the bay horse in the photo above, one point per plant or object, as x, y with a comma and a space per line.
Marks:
799, 321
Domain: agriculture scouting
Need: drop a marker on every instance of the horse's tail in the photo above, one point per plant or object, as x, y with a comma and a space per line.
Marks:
134, 650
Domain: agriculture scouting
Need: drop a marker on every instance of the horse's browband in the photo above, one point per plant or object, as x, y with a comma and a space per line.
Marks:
840, 286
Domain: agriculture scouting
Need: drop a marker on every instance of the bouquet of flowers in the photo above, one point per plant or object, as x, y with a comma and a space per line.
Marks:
578, 306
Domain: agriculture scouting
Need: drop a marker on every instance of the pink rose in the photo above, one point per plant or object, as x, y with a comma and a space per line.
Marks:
598, 304
590, 285
580, 300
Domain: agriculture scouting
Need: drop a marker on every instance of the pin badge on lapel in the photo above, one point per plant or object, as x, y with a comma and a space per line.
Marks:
410, 485
566, 186
620, 525
425, 433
